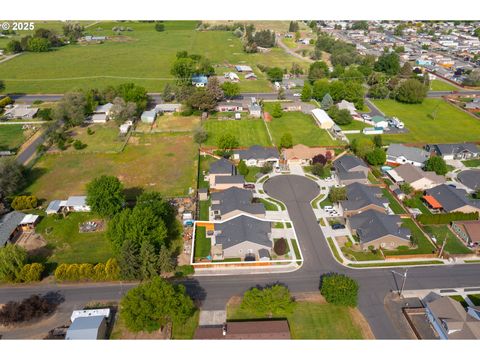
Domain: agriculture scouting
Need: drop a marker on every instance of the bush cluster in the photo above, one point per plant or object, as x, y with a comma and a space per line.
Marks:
339, 289
100, 272
24, 202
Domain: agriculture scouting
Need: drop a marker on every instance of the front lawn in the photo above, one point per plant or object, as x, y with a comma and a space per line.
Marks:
475, 298
424, 246
450, 124
355, 125
68, 245
442, 232
268, 205
247, 132
202, 243
471, 163
361, 255
11, 137
252, 172
302, 127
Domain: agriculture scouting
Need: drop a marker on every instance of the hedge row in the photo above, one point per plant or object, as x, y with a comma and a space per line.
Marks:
31, 272
100, 272
434, 219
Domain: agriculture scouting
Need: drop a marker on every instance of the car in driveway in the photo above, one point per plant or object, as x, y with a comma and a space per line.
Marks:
338, 226
297, 95
249, 186
366, 117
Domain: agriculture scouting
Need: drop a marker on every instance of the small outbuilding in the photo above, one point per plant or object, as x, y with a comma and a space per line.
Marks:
148, 116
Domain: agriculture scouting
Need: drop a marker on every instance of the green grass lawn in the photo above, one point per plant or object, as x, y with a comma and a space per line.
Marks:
105, 138
186, 331
68, 245
424, 246
439, 85
354, 125
203, 167
450, 125
176, 123
268, 205
303, 128
442, 232
311, 320
398, 264
143, 55
394, 204
418, 203
472, 163
202, 243
361, 255
334, 250
252, 172
247, 132
165, 163
204, 205
11, 137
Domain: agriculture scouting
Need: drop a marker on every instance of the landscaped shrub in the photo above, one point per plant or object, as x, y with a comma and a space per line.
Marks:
78, 145
339, 289
435, 219
100, 272
24, 202
26, 310
280, 247
31, 272
5, 101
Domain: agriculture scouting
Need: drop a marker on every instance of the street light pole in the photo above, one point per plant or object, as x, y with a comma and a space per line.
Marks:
404, 275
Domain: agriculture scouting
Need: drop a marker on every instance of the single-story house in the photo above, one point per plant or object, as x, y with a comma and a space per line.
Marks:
24, 112
246, 330
379, 230
361, 198
458, 151
302, 155
104, 109
98, 118
232, 202
221, 167
350, 169
250, 76
346, 105
243, 68
167, 108
451, 199
229, 106
468, 230
233, 77
258, 156
148, 116
87, 328
473, 105
379, 122
323, 120
451, 321
242, 237
226, 182
14, 223
199, 80
398, 154
416, 177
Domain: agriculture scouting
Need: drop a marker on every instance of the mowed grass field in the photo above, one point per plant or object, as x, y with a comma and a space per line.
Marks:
165, 163
247, 132
142, 55
302, 126
439, 85
450, 124
105, 138
176, 123
11, 137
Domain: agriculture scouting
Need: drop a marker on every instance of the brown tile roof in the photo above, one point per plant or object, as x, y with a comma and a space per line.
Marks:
251, 330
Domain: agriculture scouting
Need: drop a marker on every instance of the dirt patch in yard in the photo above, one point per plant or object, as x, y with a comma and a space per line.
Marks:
33, 243
314, 297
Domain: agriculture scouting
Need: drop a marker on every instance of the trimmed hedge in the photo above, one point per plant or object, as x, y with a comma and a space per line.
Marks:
434, 219
100, 272
339, 289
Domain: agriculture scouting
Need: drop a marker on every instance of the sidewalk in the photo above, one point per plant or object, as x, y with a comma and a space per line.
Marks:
248, 270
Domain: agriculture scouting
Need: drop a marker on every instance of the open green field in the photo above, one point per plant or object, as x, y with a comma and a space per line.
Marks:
442, 233
11, 137
439, 85
247, 132
176, 123
450, 125
105, 138
68, 245
303, 128
311, 320
424, 246
165, 163
142, 55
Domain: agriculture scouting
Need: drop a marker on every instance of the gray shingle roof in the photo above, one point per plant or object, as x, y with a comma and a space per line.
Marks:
54, 206
344, 167
452, 149
410, 153
8, 224
258, 152
243, 228
451, 198
359, 196
77, 201
236, 199
237, 179
222, 166
371, 225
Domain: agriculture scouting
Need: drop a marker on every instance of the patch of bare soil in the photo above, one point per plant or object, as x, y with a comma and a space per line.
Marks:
31, 242
314, 297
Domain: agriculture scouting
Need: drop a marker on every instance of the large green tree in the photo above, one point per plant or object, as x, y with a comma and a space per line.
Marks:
230, 89
389, 63
227, 142
154, 304
183, 69
12, 177
72, 109
376, 157
317, 70
12, 260
437, 164
411, 91
105, 195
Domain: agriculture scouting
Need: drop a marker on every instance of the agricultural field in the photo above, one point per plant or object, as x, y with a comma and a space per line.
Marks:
303, 128
116, 60
11, 137
152, 162
247, 132
433, 121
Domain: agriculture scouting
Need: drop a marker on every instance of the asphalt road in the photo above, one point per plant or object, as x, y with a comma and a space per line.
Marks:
27, 153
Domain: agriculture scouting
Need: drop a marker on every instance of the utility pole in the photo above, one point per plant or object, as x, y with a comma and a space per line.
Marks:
404, 276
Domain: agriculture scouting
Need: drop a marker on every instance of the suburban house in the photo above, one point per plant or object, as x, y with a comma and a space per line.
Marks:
222, 175
232, 202
148, 116
243, 68
450, 199
361, 198
199, 80
167, 108
233, 77
398, 154
254, 109
379, 122
458, 151
473, 105
468, 231
302, 155
101, 114
72, 204
350, 169
416, 177
14, 224
242, 237
379, 230
24, 112
451, 321
346, 105
257, 155
245, 330
323, 120
229, 106
227, 182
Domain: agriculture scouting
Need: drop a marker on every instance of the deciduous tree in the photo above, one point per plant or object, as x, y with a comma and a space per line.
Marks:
105, 195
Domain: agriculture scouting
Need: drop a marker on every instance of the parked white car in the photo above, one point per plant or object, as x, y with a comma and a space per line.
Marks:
297, 94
